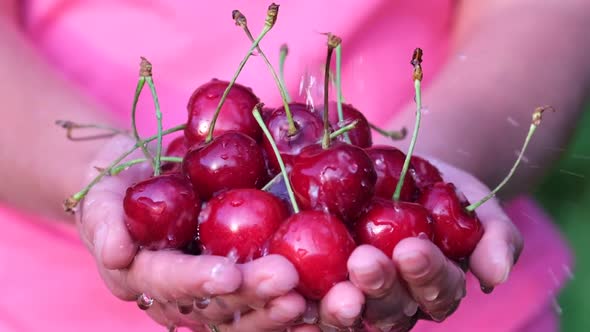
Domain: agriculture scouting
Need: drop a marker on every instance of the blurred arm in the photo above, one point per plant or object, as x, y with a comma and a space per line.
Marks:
508, 57
39, 167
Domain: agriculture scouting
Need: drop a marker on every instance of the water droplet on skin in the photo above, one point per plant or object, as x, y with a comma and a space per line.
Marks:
144, 302
236, 202
202, 302
486, 289
232, 255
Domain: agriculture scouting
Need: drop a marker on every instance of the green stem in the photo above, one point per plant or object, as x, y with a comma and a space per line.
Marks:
268, 135
138, 89
282, 90
265, 30
400, 183
395, 135
344, 130
121, 167
73, 200
339, 89
282, 57
493, 193
326, 138
157, 160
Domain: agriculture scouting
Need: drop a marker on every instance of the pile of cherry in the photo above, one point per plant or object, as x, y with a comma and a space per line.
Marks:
344, 191
302, 181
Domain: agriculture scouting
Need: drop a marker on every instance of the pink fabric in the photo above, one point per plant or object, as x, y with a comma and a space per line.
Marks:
49, 281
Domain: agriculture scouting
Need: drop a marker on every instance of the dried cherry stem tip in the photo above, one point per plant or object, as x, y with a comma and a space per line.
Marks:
258, 117
417, 75
395, 135
241, 21
71, 202
271, 17
70, 126
333, 42
145, 70
536, 121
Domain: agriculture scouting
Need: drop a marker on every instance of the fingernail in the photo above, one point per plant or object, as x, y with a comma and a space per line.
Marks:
272, 288
413, 263
410, 309
502, 257
281, 314
369, 276
348, 315
431, 293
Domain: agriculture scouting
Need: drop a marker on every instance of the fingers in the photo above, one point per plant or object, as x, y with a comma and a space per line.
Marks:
264, 279
277, 316
173, 276
436, 283
342, 306
371, 271
499, 248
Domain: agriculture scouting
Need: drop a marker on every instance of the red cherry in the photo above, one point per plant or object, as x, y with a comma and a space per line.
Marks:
310, 130
161, 212
388, 162
318, 245
424, 173
235, 114
387, 222
456, 231
340, 179
231, 160
176, 148
361, 135
239, 222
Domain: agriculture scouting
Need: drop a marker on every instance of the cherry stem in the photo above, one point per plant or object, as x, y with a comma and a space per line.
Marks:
339, 89
284, 51
333, 42
70, 126
534, 124
150, 81
241, 21
145, 70
73, 200
271, 17
121, 167
396, 135
213, 328
417, 75
258, 117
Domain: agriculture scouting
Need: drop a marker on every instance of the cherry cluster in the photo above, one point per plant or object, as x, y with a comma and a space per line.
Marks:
303, 181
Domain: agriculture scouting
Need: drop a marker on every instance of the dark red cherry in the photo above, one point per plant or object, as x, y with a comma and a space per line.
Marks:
361, 135
231, 160
388, 162
424, 173
387, 222
456, 231
161, 212
318, 245
340, 179
238, 222
310, 129
176, 148
235, 114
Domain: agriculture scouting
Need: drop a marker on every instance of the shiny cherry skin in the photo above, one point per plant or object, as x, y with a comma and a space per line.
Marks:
231, 160
161, 212
388, 162
239, 222
361, 135
456, 231
176, 148
310, 130
387, 222
340, 179
318, 245
235, 114
424, 173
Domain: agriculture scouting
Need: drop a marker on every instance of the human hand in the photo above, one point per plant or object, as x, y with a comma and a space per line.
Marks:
187, 290
386, 292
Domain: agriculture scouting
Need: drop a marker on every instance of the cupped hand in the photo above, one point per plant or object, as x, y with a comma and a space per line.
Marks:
417, 280
187, 290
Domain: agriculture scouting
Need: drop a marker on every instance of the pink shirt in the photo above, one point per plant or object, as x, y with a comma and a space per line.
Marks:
53, 284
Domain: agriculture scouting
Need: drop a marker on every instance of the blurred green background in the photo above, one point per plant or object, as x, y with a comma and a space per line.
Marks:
567, 198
